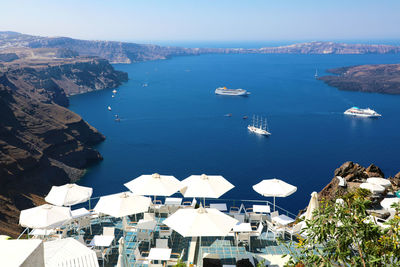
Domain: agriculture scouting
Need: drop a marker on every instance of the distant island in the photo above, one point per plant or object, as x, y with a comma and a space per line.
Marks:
124, 52
382, 78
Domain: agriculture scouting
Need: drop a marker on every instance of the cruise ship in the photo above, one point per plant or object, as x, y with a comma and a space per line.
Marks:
359, 112
226, 91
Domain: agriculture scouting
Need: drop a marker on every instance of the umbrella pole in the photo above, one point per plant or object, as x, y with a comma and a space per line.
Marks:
274, 203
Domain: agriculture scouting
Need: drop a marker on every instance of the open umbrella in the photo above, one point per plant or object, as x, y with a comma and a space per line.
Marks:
274, 188
122, 204
45, 216
210, 186
154, 185
200, 222
313, 205
68, 194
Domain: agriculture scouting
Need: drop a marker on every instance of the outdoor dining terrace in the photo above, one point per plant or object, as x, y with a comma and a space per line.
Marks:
194, 226
145, 232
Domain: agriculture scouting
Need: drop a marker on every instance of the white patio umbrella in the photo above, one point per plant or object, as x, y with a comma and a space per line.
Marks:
122, 204
200, 222
154, 185
68, 252
274, 188
205, 186
379, 181
312, 205
68, 194
374, 188
45, 216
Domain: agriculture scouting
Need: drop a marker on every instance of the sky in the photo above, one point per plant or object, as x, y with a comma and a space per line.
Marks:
204, 20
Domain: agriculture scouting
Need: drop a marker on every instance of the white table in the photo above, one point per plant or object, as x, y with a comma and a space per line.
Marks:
173, 201
261, 208
218, 206
146, 224
102, 240
242, 227
162, 254
282, 220
79, 213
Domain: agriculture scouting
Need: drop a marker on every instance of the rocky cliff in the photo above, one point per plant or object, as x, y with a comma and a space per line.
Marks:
383, 78
41, 142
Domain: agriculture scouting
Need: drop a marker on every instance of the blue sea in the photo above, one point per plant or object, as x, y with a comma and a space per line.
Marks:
176, 125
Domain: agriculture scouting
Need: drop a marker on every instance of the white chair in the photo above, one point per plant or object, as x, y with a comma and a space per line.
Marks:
128, 227
139, 258
161, 243
85, 223
239, 217
109, 231
165, 231
296, 229
144, 236
175, 257
255, 217
257, 233
277, 231
149, 216
243, 238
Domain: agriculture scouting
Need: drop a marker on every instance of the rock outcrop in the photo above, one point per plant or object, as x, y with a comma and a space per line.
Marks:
41, 142
354, 174
383, 78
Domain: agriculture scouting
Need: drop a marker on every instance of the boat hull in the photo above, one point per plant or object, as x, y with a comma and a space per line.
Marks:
231, 92
258, 130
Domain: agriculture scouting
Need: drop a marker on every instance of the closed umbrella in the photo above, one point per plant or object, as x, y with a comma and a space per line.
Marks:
122, 204
205, 186
45, 216
154, 185
68, 195
379, 181
313, 205
274, 188
122, 260
374, 188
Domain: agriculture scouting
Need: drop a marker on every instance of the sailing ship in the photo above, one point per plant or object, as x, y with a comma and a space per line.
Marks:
109, 108
259, 126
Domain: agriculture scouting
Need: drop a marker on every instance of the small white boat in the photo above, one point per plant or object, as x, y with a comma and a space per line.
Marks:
113, 96
259, 126
109, 108
145, 85
114, 91
359, 112
235, 92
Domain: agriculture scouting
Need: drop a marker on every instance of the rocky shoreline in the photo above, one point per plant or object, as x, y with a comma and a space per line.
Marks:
42, 143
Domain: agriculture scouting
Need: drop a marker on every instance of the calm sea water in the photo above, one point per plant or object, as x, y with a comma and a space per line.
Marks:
176, 125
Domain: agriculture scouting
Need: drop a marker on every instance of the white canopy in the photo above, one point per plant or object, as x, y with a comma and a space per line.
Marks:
200, 222
313, 205
45, 216
274, 188
154, 185
122, 204
379, 181
386, 203
68, 252
21, 252
210, 186
69, 194
374, 188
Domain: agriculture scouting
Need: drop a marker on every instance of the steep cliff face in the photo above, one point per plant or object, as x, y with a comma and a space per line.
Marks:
41, 142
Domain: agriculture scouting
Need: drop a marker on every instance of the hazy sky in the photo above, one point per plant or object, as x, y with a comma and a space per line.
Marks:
206, 20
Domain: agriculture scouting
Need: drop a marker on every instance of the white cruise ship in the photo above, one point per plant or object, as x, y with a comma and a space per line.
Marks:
359, 112
226, 91
259, 126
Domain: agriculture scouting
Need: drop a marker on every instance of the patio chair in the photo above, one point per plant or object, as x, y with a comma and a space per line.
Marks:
101, 254
274, 214
211, 260
128, 226
163, 209
255, 217
149, 216
296, 229
139, 257
257, 233
277, 231
233, 210
239, 217
161, 243
243, 238
165, 232
85, 223
144, 236
175, 257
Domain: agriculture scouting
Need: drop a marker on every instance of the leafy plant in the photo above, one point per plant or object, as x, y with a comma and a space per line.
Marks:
344, 234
